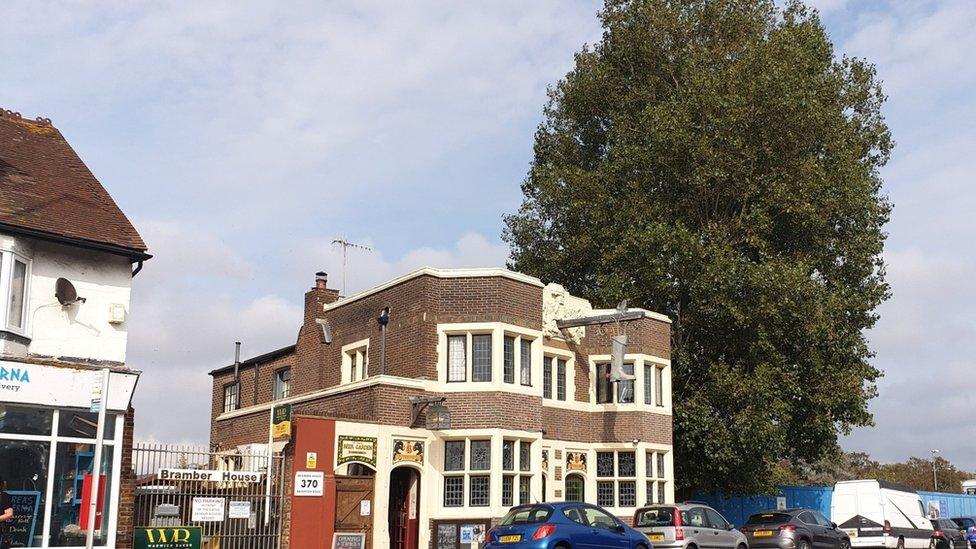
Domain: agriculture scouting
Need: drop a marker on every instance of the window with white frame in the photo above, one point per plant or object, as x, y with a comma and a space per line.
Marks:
14, 289
469, 357
554, 378
282, 383
616, 472
467, 464
355, 361
232, 393
653, 384
658, 385
516, 472
525, 361
657, 475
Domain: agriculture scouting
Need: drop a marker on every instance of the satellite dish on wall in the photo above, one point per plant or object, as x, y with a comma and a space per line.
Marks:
66, 293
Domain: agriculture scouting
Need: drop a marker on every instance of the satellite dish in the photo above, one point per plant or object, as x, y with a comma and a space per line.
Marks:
66, 293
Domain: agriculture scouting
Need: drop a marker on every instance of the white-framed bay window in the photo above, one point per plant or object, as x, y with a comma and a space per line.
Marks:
489, 356
467, 473
650, 388
46, 459
15, 271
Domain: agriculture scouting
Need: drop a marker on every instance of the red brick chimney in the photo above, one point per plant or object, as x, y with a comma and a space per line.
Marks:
319, 295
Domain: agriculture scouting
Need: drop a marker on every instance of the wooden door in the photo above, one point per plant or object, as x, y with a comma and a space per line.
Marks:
352, 514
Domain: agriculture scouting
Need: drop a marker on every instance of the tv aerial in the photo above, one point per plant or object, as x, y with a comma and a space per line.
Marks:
66, 293
345, 246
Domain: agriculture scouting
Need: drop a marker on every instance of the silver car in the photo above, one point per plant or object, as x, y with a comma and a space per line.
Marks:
688, 525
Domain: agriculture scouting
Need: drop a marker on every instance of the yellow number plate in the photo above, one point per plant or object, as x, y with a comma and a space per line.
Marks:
655, 537
762, 533
511, 539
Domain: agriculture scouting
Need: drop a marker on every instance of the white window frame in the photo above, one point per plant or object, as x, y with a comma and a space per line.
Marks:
642, 364
279, 382
516, 472
570, 360
355, 361
237, 402
7, 258
616, 478
467, 472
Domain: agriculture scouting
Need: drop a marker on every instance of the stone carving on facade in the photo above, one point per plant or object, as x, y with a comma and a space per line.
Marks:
558, 304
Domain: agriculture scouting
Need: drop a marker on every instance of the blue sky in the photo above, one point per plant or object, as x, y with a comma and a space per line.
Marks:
242, 138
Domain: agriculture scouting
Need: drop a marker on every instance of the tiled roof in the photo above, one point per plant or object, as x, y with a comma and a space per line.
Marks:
46, 188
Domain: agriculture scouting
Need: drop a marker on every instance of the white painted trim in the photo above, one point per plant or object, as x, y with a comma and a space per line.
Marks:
649, 314
348, 358
439, 273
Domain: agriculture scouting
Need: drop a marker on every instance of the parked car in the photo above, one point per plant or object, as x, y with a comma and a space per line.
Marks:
948, 535
968, 524
685, 525
793, 529
563, 525
877, 514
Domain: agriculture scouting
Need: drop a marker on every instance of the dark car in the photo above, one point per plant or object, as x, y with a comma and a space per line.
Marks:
561, 525
948, 535
969, 525
793, 529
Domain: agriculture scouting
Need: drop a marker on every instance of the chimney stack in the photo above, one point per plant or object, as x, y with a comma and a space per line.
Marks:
317, 296
321, 280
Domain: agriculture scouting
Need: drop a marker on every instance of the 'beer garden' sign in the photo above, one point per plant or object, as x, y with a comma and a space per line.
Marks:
361, 449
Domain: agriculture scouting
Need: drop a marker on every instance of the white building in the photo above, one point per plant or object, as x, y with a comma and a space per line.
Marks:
67, 258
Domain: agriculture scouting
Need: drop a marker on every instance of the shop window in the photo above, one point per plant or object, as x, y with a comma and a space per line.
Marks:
73, 468
282, 383
575, 488
232, 392
509, 359
481, 357
84, 424
15, 278
25, 420
24, 465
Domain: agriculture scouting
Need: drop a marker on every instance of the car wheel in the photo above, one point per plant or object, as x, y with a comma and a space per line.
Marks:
804, 544
845, 544
901, 543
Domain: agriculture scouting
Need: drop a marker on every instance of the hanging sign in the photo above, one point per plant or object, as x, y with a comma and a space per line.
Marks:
281, 422
411, 451
179, 537
361, 449
576, 461
309, 483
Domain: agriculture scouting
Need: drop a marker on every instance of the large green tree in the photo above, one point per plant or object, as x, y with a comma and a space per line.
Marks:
715, 160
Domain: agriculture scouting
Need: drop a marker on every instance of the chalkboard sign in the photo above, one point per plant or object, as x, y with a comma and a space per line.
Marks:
341, 540
26, 503
447, 536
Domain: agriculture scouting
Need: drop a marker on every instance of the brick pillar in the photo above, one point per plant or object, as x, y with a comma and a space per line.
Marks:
127, 487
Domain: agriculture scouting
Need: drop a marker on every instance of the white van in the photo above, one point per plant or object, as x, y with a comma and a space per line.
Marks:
876, 514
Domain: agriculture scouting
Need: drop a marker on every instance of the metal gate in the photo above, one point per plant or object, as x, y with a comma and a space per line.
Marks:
234, 497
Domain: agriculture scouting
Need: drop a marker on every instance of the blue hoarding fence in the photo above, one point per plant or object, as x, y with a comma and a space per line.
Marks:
738, 508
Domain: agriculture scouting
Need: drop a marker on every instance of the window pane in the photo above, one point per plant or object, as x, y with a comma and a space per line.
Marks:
651, 491
625, 387
18, 282
547, 377
628, 494
508, 482
604, 493
457, 363
525, 360
561, 379
282, 383
575, 488
231, 394
73, 469
24, 465
508, 455
479, 491
481, 358
660, 491
649, 464
604, 464
626, 464
524, 448
660, 465
453, 491
648, 386
604, 390
83, 424
24, 420
525, 484
509, 359
659, 386
454, 455
480, 455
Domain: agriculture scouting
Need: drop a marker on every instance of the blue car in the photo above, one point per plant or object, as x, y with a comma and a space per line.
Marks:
563, 525
969, 523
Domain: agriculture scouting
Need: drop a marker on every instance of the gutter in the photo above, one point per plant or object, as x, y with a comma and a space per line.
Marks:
137, 256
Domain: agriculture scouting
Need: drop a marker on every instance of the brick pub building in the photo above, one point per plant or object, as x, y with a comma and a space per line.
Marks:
533, 413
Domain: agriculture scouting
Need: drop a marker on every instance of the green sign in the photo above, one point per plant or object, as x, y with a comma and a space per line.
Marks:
281, 422
175, 537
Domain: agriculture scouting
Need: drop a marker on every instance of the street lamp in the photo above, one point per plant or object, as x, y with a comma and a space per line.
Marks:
935, 476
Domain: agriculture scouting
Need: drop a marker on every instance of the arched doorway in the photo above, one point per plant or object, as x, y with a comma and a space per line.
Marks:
404, 508
575, 488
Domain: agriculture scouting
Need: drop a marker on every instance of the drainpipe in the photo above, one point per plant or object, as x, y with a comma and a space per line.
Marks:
384, 319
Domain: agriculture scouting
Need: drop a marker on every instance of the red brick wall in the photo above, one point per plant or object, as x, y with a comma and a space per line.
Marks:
127, 487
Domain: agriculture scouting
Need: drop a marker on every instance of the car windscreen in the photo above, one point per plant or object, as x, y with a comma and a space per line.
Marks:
965, 522
768, 518
656, 516
532, 514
